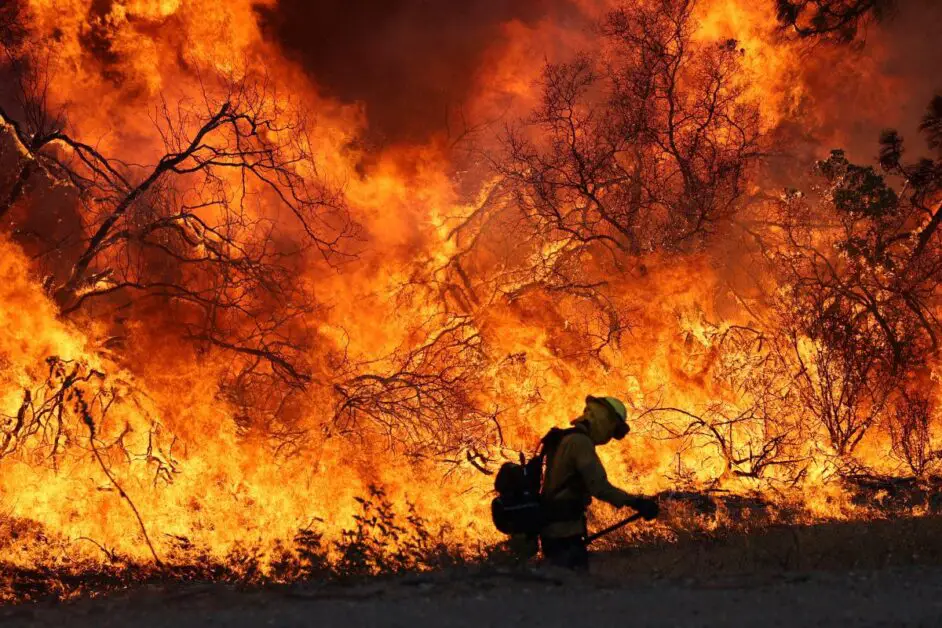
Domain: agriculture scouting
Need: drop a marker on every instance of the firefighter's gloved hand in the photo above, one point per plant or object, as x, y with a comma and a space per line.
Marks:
647, 508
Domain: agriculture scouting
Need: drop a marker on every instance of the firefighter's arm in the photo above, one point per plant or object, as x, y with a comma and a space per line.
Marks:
593, 474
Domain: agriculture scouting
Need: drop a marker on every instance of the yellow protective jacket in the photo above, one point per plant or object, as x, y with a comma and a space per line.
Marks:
575, 474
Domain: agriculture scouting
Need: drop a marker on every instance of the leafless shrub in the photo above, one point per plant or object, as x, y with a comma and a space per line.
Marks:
755, 433
423, 401
67, 416
910, 426
73, 403
381, 542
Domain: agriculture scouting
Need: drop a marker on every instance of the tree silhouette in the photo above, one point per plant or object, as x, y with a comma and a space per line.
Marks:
841, 20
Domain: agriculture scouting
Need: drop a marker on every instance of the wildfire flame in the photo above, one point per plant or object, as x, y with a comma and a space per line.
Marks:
285, 311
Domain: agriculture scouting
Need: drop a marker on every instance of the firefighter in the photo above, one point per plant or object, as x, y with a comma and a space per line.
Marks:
574, 475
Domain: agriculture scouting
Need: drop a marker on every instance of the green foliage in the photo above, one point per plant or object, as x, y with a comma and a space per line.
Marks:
861, 271
857, 190
924, 176
839, 20
891, 149
932, 124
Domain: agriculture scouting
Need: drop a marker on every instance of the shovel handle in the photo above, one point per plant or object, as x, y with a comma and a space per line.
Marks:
612, 528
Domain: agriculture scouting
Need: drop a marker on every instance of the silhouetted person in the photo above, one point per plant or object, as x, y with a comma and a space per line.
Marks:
574, 475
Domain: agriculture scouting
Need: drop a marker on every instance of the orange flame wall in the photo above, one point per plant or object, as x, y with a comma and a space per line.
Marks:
112, 62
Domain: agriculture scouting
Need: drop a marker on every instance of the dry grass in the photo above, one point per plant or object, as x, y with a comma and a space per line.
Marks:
846, 545
699, 537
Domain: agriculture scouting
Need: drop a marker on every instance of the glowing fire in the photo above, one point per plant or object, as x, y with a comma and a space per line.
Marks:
377, 320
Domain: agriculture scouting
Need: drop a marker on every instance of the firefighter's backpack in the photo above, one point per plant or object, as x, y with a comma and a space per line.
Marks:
518, 507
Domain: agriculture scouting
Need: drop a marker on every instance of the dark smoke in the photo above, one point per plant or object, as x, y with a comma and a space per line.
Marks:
408, 61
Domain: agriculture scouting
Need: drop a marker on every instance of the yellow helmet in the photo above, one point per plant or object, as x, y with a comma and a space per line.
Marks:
619, 412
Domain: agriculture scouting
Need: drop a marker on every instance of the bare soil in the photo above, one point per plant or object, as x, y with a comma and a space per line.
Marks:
893, 597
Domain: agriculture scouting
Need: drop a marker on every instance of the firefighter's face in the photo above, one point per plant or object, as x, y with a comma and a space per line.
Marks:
601, 423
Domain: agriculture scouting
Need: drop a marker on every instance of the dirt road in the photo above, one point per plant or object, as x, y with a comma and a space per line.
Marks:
910, 596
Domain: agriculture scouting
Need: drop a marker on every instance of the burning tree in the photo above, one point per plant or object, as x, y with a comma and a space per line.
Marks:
851, 337
861, 271
642, 148
198, 234
839, 19
637, 149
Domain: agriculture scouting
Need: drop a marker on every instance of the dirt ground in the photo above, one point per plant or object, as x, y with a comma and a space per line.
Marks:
859, 574
907, 596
